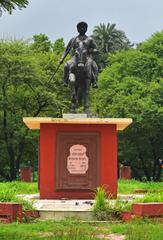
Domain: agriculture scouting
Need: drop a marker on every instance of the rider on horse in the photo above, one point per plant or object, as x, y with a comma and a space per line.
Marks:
88, 49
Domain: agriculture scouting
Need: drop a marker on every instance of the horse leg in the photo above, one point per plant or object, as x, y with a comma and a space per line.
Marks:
86, 96
72, 84
86, 102
73, 97
73, 104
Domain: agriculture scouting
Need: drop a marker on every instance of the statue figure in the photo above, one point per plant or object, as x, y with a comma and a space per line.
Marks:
81, 70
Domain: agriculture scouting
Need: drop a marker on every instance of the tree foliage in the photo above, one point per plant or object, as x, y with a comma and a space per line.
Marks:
109, 39
132, 86
25, 90
41, 43
154, 44
59, 46
10, 5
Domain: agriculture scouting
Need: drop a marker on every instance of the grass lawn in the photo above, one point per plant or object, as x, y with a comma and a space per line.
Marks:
19, 187
142, 229
129, 186
73, 230
124, 186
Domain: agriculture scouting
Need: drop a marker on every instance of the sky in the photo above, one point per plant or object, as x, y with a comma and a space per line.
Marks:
139, 19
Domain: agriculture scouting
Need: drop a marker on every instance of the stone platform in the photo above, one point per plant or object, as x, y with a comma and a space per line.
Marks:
61, 209
64, 208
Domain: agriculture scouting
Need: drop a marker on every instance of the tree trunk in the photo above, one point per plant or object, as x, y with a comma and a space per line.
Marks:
154, 158
20, 150
144, 168
5, 176
159, 169
136, 173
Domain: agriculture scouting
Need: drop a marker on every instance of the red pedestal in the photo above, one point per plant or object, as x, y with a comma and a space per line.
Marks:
77, 155
107, 171
26, 174
125, 172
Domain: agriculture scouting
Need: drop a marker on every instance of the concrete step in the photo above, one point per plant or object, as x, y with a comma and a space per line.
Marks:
60, 215
61, 209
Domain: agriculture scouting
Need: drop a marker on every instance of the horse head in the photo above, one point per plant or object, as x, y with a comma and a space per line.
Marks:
81, 55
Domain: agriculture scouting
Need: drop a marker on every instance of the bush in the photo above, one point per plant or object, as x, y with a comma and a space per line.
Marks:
106, 209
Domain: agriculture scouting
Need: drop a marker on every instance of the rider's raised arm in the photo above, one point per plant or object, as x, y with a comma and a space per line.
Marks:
67, 50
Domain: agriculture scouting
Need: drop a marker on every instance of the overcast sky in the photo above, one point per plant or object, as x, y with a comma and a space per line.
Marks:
58, 18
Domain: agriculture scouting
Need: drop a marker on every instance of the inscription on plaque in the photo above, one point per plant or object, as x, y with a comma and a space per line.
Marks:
77, 161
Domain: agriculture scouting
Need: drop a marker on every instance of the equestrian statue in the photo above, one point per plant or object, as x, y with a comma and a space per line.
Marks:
81, 71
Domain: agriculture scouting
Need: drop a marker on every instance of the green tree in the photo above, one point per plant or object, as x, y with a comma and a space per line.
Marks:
59, 46
132, 86
25, 90
10, 5
154, 44
109, 39
41, 43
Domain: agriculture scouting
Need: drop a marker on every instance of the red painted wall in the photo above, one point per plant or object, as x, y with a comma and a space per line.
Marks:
108, 159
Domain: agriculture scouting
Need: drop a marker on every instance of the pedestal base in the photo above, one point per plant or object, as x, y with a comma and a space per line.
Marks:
77, 156
63, 171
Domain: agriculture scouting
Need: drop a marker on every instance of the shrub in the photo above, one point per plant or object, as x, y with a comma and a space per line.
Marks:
106, 209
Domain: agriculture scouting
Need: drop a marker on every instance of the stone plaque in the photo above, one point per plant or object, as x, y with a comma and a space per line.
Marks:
77, 161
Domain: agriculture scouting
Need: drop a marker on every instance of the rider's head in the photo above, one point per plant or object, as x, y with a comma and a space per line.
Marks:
82, 27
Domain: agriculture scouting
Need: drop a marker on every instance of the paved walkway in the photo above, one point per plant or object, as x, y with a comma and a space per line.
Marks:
112, 236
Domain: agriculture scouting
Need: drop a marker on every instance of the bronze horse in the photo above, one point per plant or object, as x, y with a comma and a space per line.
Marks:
81, 70
80, 82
